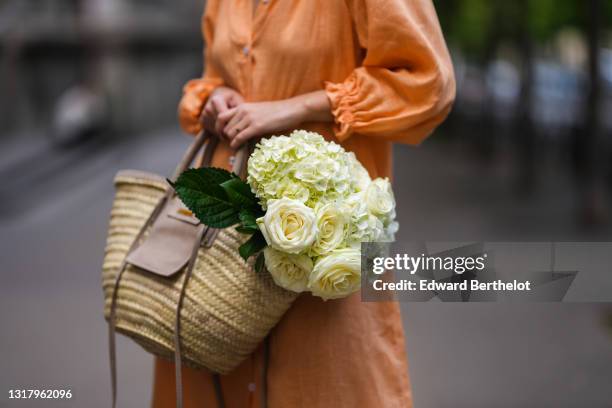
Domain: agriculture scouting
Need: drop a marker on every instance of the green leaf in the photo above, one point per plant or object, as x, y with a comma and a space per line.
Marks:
239, 193
260, 263
244, 230
218, 197
216, 175
256, 243
200, 191
248, 219
248, 223
208, 175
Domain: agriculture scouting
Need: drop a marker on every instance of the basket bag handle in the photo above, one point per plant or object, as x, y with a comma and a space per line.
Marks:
205, 236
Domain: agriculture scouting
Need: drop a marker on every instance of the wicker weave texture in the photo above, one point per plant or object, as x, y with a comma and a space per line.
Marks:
228, 308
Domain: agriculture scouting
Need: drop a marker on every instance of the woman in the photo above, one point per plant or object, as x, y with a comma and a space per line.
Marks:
364, 73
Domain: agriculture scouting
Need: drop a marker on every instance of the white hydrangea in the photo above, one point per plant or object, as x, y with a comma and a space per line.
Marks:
379, 198
321, 204
361, 177
302, 166
365, 226
390, 231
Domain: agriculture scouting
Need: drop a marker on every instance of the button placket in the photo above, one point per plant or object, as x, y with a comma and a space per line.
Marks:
247, 59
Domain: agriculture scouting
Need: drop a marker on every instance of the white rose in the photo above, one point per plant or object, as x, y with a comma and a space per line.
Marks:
288, 225
289, 271
337, 274
331, 226
379, 197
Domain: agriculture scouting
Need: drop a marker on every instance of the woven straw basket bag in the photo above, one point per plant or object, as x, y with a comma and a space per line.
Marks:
177, 287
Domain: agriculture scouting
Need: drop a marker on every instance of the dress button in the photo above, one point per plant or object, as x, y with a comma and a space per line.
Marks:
245, 50
264, 1
251, 387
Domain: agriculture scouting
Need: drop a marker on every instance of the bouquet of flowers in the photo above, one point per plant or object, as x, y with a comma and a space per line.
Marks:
307, 204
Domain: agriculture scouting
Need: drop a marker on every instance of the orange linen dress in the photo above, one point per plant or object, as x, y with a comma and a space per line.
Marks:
386, 69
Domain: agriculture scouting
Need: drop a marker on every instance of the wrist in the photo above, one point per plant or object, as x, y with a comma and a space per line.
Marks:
314, 107
219, 90
289, 113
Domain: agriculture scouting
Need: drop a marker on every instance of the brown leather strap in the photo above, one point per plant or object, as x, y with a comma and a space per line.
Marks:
192, 152
187, 159
206, 238
177, 321
240, 160
207, 235
113, 306
207, 156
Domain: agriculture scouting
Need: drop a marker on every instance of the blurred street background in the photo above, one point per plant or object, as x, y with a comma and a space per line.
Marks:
88, 87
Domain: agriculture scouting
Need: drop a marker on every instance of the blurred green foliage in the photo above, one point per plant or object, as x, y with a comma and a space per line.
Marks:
466, 23
546, 17
472, 25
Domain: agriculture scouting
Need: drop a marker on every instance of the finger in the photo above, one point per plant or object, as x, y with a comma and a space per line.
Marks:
209, 109
207, 117
236, 124
242, 137
234, 100
219, 104
232, 130
227, 115
223, 118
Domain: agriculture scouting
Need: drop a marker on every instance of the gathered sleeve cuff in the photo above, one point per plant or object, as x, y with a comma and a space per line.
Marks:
405, 86
197, 91
195, 95
342, 97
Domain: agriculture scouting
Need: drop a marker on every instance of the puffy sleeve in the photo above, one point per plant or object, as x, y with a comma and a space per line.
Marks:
405, 86
196, 91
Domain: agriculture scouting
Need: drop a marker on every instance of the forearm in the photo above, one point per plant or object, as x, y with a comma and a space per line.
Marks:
312, 107
255, 119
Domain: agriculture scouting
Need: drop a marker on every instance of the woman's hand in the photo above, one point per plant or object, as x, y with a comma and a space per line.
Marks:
253, 120
249, 120
219, 101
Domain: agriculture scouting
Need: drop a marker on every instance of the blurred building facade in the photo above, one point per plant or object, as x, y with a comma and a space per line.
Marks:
131, 56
